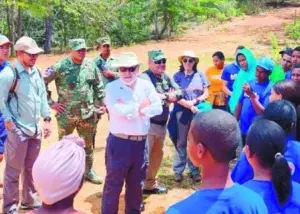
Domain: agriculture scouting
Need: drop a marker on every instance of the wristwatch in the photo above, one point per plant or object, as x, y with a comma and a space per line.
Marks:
47, 119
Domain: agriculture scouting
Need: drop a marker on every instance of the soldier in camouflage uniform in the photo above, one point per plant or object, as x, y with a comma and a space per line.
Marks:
169, 92
80, 96
104, 61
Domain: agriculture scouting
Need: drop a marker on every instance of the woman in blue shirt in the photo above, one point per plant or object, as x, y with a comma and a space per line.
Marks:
195, 86
284, 114
265, 146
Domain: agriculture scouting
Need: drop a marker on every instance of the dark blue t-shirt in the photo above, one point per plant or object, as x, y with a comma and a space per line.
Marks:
234, 200
288, 75
267, 191
248, 113
229, 74
243, 172
2, 128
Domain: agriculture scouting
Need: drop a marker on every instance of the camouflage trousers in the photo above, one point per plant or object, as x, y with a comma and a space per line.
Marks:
85, 129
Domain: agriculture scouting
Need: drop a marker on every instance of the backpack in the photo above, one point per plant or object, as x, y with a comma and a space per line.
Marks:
12, 91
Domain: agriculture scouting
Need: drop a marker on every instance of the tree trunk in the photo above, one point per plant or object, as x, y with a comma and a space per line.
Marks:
48, 35
19, 30
11, 25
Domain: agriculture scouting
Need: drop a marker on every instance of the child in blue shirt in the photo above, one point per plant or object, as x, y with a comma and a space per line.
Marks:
255, 95
214, 137
265, 145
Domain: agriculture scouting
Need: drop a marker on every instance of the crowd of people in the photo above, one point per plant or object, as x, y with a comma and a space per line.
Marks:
250, 103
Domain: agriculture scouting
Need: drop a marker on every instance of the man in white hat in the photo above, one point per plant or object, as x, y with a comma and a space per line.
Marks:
4, 54
23, 101
131, 102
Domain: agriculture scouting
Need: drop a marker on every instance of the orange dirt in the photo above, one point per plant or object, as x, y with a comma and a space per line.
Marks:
249, 31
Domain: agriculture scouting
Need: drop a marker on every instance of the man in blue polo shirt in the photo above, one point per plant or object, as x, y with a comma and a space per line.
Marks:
255, 96
4, 54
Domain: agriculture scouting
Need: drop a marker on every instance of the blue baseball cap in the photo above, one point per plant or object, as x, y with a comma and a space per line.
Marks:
266, 63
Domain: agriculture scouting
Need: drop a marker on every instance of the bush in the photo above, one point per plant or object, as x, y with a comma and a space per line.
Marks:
274, 47
293, 30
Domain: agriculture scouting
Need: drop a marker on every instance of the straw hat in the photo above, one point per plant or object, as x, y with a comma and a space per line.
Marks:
188, 53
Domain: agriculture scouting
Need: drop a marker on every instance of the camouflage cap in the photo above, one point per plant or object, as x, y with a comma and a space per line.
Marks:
103, 41
156, 55
27, 45
77, 44
4, 40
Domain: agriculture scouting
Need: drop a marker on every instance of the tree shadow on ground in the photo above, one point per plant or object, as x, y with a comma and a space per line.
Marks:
96, 199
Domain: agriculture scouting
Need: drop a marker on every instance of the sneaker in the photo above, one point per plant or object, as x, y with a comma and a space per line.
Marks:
13, 211
142, 208
92, 177
196, 178
157, 190
178, 178
36, 205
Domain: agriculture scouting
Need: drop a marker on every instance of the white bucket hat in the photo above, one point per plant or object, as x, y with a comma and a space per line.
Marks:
27, 45
126, 59
188, 53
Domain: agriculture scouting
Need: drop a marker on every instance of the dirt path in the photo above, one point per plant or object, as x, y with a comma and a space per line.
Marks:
248, 31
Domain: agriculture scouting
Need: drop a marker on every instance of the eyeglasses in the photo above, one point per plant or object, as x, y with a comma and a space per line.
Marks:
162, 61
130, 69
188, 61
31, 55
5, 47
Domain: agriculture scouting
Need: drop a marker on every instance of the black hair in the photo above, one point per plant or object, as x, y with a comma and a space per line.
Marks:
240, 47
219, 132
296, 49
219, 54
289, 90
267, 140
283, 113
296, 66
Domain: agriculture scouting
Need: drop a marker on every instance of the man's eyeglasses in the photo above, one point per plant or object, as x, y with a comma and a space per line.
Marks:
188, 60
130, 69
161, 61
31, 55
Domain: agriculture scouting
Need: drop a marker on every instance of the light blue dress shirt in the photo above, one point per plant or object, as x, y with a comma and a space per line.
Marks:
31, 104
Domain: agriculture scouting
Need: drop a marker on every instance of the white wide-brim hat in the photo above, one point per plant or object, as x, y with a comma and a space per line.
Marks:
188, 53
126, 59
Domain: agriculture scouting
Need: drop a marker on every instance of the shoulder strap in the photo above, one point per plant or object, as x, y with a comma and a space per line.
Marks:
152, 77
12, 90
14, 84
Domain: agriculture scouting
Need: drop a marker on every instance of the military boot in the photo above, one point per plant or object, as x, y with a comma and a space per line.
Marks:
90, 174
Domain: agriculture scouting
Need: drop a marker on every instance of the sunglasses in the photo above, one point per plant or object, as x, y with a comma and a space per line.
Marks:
130, 69
162, 61
31, 55
188, 61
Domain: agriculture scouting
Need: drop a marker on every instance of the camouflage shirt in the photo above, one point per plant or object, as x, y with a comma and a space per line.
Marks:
79, 87
103, 64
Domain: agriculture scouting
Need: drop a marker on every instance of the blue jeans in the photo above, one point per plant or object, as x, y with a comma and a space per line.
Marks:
124, 160
181, 158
